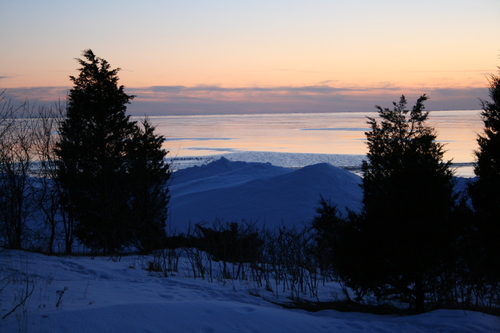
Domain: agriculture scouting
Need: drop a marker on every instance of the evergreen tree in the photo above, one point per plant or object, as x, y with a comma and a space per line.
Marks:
93, 169
149, 192
485, 191
408, 196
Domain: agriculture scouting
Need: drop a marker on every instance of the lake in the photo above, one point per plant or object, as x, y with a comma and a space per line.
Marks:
319, 133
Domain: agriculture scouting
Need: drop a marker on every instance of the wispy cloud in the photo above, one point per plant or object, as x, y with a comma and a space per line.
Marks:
322, 97
461, 92
314, 98
321, 88
46, 94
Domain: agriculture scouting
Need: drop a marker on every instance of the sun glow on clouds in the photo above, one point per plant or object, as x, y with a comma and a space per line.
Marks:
314, 94
205, 99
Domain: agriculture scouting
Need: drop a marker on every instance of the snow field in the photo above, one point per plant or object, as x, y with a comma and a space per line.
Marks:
104, 295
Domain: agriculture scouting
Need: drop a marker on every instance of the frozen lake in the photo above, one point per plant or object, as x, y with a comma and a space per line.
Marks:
313, 133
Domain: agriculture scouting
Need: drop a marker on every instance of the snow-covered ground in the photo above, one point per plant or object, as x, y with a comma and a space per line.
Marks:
83, 294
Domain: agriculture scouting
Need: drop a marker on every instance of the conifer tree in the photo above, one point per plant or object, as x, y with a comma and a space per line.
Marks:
485, 191
408, 195
149, 192
102, 155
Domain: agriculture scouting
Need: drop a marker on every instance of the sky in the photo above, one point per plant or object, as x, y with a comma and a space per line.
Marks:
221, 56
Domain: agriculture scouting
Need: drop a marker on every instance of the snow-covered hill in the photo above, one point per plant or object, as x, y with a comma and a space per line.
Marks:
260, 193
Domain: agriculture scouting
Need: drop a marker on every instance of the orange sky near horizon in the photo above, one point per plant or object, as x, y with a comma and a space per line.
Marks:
197, 56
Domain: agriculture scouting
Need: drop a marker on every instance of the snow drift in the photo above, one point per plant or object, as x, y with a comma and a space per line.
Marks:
259, 193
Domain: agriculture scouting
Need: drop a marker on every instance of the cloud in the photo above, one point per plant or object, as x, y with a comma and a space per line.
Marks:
322, 97
461, 92
163, 89
43, 94
316, 98
321, 88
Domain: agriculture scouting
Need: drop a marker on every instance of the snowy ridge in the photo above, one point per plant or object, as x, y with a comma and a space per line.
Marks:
260, 193
287, 160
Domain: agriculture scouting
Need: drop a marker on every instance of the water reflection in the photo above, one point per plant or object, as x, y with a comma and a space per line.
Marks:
321, 133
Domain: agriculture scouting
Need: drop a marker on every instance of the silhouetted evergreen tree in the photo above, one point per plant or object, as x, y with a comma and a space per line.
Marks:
408, 196
104, 157
149, 177
485, 191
